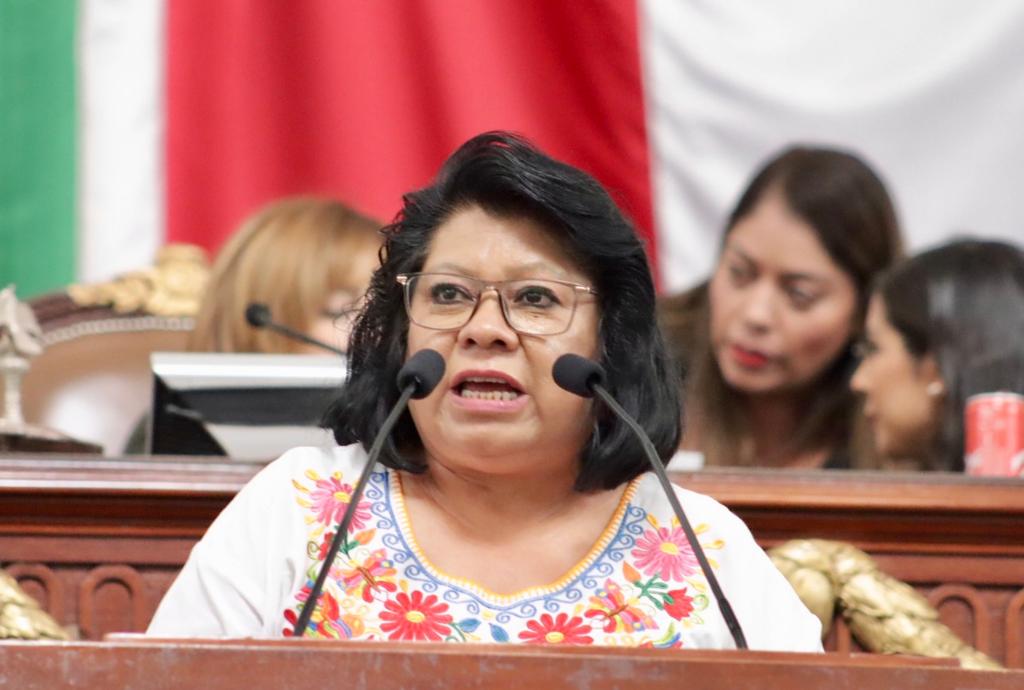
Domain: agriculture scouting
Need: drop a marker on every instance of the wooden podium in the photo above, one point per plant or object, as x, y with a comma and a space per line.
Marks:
145, 664
97, 541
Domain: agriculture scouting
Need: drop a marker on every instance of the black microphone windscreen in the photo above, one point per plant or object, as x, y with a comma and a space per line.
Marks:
257, 315
425, 369
577, 374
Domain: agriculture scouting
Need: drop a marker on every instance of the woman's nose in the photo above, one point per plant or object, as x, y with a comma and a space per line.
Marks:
759, 306
487, 326
859, 380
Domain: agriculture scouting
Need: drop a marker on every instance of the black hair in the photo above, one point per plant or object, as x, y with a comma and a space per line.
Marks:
506, 176
963, 304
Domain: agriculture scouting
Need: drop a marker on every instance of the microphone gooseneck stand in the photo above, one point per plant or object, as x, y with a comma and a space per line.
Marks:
584, 377
258, 315
416, 379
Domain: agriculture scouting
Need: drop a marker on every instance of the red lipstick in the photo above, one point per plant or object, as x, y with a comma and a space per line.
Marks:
749, 359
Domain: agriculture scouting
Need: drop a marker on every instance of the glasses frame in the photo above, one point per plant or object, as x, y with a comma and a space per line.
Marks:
406, 279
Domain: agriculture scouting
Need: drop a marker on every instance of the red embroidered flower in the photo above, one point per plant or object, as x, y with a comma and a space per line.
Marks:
678, 604
665, 553
415, 617
560, 630
330, 499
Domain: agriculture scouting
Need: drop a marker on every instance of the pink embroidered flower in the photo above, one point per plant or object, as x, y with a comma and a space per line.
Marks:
330, 499
665, 553
415, 617
559, 630
678, 604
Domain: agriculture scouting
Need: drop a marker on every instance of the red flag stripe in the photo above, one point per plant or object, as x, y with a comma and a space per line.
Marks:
364, 100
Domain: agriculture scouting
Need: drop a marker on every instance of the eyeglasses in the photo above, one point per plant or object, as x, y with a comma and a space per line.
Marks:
446, 301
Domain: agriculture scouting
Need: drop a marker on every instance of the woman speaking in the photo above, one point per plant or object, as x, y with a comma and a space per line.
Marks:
504, 508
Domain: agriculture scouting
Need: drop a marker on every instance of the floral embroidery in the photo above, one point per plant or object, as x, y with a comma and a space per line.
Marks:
374, 575
558, 630
619, 612
415, 617
665, 552
678, 604
330, 499
672, 639
327, 620
640, 586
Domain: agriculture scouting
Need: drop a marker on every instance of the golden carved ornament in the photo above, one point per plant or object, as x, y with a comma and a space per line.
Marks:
21, 618
884, 614
173, 287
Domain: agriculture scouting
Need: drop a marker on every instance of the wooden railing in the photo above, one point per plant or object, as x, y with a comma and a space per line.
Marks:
97, 542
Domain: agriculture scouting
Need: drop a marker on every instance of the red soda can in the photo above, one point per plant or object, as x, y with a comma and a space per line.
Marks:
994, 435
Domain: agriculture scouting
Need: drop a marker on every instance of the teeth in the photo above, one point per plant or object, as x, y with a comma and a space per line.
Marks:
489, 395
485, 379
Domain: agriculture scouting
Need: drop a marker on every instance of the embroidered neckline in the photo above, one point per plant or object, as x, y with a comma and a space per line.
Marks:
397, 501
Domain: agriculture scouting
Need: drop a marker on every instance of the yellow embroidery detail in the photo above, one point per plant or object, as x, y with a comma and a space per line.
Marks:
609, 532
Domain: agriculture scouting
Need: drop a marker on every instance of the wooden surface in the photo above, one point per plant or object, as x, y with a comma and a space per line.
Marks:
98, 541
243, 665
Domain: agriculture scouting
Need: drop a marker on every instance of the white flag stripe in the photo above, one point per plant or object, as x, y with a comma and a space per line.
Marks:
121, 210
931, 92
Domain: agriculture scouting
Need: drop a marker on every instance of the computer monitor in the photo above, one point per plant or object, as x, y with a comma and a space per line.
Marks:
244, 406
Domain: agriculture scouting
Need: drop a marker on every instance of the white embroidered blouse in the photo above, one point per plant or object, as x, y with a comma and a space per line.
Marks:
640, 584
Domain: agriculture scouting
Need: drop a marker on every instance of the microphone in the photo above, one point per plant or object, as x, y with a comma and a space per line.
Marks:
258, 315
585, 377
416, 379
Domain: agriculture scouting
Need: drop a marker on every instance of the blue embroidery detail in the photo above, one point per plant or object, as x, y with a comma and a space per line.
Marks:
592, 578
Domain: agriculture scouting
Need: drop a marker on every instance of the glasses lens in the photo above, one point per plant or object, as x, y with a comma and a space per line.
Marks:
539, 307
435, 300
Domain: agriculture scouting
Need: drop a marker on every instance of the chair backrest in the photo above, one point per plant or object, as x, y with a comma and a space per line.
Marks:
93, 381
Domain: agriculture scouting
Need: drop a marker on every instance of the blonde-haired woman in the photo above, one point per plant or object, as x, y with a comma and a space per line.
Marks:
308, 259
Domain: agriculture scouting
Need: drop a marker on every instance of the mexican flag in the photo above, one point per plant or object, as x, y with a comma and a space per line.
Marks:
128, 124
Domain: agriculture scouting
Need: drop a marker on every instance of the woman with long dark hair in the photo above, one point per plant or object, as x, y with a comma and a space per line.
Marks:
767, 342
942, 326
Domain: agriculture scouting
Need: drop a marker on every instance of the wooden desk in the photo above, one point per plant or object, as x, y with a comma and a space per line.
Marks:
244, 665
99, 541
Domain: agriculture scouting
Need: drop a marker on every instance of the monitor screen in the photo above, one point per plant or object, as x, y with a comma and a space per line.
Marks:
245, 406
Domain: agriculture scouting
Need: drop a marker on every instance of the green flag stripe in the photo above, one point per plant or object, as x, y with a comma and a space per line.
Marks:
37, 144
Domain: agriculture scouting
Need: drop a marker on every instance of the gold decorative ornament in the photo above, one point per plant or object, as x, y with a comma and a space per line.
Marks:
173, 287
884, 614
21, 618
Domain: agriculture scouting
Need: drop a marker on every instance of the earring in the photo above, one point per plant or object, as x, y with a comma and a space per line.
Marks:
935, 389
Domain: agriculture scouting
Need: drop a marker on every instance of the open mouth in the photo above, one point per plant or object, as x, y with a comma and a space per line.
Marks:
486, 388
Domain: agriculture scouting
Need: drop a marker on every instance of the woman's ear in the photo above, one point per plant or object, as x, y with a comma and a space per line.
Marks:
928, 371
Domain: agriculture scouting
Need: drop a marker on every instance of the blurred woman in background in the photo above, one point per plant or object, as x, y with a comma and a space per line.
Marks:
942, 326
309, 260
766, 342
